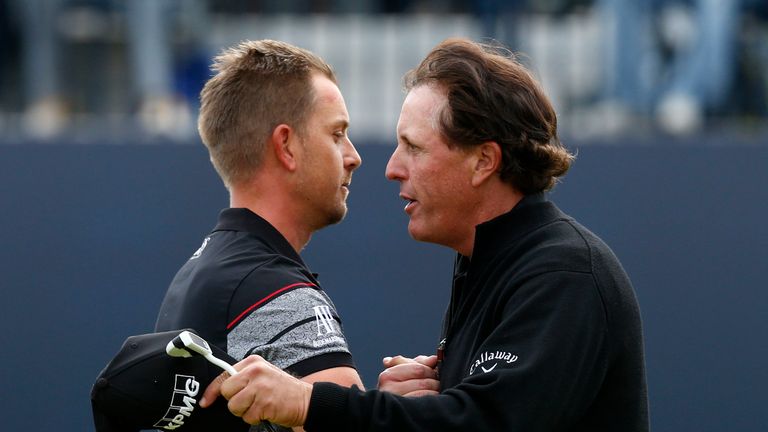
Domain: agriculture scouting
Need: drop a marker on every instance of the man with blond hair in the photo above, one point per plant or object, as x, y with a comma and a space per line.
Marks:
275, 124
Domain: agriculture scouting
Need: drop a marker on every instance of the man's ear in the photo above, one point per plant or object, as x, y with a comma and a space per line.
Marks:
284, 144
487, 162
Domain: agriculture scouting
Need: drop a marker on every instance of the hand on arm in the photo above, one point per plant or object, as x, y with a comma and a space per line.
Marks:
261, 391
410, 377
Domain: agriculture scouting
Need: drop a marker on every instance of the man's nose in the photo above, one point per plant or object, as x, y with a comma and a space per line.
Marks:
395, 170
352, 160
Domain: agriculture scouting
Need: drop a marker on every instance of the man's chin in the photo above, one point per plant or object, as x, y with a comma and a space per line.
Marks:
337, 216
427, 236
416, 233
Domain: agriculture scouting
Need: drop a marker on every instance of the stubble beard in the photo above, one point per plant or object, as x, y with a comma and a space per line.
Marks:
325, 208
338, 215
328, 214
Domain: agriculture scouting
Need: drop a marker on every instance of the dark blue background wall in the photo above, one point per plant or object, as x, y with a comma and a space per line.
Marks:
91, 236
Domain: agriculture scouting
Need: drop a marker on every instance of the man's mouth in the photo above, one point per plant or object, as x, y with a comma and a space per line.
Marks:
409, 202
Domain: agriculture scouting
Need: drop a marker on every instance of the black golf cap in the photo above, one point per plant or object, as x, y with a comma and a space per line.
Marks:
145, 388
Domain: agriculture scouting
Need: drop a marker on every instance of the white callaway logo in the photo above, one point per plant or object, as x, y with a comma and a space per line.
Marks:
182, 403
487, 357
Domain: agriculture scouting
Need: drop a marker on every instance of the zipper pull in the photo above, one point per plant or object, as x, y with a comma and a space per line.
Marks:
440, 356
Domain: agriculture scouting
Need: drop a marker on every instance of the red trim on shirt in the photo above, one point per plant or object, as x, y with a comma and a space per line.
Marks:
255, 305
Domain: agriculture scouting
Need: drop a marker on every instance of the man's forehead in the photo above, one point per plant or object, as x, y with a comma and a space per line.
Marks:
328, 98
421, 109
426, 96
424, 103
325, 89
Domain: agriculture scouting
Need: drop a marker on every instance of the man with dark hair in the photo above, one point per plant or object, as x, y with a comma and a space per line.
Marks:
543, 330
275, 125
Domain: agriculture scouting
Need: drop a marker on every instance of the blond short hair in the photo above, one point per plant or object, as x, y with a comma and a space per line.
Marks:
257, 86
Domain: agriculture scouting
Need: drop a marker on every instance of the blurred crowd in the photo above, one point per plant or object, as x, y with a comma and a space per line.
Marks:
678, 66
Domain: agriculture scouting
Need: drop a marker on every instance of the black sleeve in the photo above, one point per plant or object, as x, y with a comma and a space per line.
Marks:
556, 326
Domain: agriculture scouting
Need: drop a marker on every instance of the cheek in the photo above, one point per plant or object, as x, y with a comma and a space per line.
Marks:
336, 159
441, 186
328, 164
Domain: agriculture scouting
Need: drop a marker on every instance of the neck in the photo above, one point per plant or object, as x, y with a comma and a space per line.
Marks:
275, 206
498, 201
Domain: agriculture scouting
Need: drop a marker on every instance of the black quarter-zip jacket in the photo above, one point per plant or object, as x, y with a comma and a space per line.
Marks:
542, 333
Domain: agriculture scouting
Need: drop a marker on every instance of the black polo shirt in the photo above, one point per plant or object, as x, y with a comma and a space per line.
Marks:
247, 291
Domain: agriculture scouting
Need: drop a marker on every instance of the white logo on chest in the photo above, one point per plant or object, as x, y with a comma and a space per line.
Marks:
490, 359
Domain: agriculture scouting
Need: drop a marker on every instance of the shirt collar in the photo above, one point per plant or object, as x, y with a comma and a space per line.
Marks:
243, 219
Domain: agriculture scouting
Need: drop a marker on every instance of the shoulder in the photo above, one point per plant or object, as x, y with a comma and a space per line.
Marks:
566, 259
560, 245
274, 277
561, 255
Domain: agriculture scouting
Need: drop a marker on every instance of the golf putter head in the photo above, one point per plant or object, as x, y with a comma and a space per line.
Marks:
188, 344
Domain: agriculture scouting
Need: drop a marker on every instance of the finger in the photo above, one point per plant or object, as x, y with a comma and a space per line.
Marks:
219, 388
411, 386
422, 385
408, 371
419, 393
396, 360
253, 416
429, 361
241, 401
213, 390
406, 378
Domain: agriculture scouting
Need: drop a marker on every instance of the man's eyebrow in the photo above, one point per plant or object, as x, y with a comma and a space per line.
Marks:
343, 123
402, 137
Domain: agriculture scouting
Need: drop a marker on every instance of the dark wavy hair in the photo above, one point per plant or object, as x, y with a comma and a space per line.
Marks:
492, 97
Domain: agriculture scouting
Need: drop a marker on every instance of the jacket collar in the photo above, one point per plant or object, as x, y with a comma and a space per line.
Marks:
499, 233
